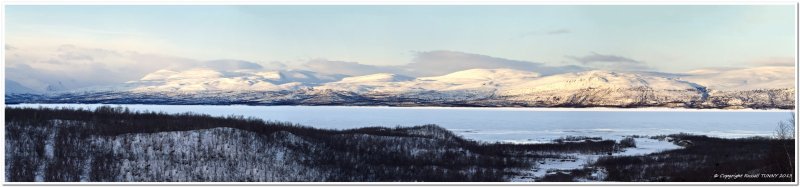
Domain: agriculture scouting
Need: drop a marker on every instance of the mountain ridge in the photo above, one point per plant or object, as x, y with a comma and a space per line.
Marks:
472, 87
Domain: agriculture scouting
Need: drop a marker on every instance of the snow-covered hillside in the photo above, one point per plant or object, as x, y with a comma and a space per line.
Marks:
205, 80
600, 80
467, 80
763, 87
767, 77
478, 79
368, 83
73, 145
380, 77
13, 87
604, 88
210, 80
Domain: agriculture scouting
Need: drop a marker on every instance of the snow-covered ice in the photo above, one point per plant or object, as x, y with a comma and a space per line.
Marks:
646, 146
573, 161
523, 125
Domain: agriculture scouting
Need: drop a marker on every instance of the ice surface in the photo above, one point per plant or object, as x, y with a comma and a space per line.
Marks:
646, 146
524, 125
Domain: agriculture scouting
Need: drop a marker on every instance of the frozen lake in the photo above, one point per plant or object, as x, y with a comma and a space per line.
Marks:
503, 124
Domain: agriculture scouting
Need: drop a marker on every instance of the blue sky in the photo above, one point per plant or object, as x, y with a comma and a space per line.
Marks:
663, 38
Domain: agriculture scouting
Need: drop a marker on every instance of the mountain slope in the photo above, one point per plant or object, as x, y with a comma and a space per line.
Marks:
13, 87
367, 83
744, 88
380, 77
603, 88
601, 80
768, 77
210, 80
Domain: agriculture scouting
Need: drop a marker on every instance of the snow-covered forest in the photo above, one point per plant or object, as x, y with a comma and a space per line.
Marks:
114, 144
117, 144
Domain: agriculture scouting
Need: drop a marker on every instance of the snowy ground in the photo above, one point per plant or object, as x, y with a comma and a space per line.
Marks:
646, 146
577, 161
523, 125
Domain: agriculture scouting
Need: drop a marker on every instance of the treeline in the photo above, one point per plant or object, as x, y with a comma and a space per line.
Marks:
117, 144
623, 98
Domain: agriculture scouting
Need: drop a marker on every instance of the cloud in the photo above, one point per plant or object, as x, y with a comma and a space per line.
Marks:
77, 67
596, 57
776, 61
229, 65
344, 67
274, 65
432, 63
610, 62
559, 31
544, 32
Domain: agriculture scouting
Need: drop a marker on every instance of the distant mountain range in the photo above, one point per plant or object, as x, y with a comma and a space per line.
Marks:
760, 87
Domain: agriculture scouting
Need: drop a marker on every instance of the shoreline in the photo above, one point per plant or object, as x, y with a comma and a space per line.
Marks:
535, 109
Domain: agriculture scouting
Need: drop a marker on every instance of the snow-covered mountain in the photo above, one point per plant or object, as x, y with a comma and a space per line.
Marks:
600, 80
482, 79
604, 88
767, 77
467, 80
211, 80
57, 87
368, 83
380, 77
766, 87
13, 87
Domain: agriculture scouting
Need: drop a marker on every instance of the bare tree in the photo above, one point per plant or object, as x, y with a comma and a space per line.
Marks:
785, 131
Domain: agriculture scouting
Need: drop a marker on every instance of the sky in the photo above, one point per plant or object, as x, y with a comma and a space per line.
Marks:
98, 39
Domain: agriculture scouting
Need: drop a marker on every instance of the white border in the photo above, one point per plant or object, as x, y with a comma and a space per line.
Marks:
3, 85
393, 2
